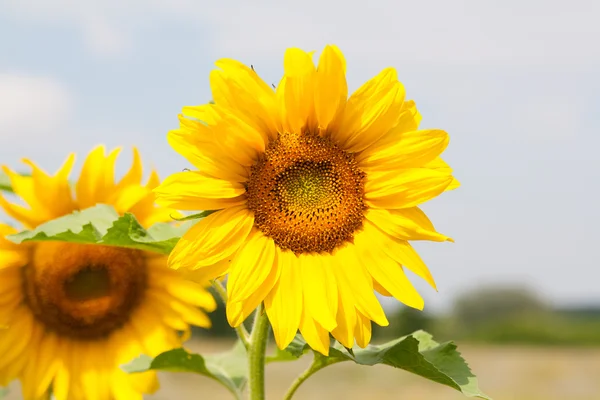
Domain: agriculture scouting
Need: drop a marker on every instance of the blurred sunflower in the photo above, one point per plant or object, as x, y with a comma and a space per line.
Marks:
73, 313
317, 195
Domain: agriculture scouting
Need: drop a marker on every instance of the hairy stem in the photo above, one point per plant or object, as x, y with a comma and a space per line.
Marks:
256, 354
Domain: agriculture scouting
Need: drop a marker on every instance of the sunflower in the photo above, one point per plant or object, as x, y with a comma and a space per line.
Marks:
317, 195
73, 313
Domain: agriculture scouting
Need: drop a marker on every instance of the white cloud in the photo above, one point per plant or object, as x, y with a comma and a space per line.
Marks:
534, 32
33, 109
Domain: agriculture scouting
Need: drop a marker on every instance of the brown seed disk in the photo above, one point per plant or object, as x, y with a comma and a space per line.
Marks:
306, 193
84, 291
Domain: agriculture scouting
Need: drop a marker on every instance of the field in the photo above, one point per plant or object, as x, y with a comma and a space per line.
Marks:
505, 373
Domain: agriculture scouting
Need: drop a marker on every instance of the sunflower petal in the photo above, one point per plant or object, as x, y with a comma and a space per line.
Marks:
412, 149
331, 88
404, 188
212, 239
283, 304
250, 267
192, 190
370, 112
320, 289
314, 334
297, 90
405, 224
440, 165
239, 88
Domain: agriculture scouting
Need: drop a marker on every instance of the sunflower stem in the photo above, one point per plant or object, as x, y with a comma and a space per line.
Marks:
256, 354
319, 362
241, 331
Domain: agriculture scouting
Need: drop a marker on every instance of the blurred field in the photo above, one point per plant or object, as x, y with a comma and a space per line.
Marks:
504, 372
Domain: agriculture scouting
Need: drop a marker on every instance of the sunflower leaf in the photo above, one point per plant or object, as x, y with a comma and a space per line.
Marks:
417, 353
202, 214
228, 368
101, 224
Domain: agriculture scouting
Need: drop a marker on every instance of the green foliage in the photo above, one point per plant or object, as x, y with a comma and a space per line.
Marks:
417, 353
550, 329
102, 225
229, 368
191, 217
505, 315
5, 184
496, 302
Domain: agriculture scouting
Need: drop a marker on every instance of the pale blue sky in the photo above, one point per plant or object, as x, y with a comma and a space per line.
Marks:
515, 83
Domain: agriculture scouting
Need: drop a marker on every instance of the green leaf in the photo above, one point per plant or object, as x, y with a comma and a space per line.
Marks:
101, 224
202, 214
3, 392
229, 368
417, 353
5, 184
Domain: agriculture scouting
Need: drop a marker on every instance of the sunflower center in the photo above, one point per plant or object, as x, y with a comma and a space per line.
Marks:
84, 291
306, 193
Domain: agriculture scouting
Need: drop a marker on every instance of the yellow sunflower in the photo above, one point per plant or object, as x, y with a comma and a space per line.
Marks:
317, 195
73, 313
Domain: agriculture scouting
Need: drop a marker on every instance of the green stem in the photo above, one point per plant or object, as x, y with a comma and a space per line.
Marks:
256, 355
319, 362
241, 331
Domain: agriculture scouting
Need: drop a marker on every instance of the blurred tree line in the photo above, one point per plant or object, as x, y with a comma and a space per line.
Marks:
501, 314
493, 314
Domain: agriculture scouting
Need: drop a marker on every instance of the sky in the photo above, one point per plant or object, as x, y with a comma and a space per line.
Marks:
514, 83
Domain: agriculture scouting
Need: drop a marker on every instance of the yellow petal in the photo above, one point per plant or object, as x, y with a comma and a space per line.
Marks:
192, 190
402, 252
195, 141
314, 334
122, 388
235, 138
404, 188
331, 88
346, 317
320, 289
239, 88
191, 293
408, 121
134, 175
405, 224
385, 270
283, 304
353, 275
298, 90
212, 239
238, 312
17, 338
46, 362
440, 165
250, 267
380, 289
370, 112
96, 181
60, 384
412, 149
363, 331
55, 190
376, 118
